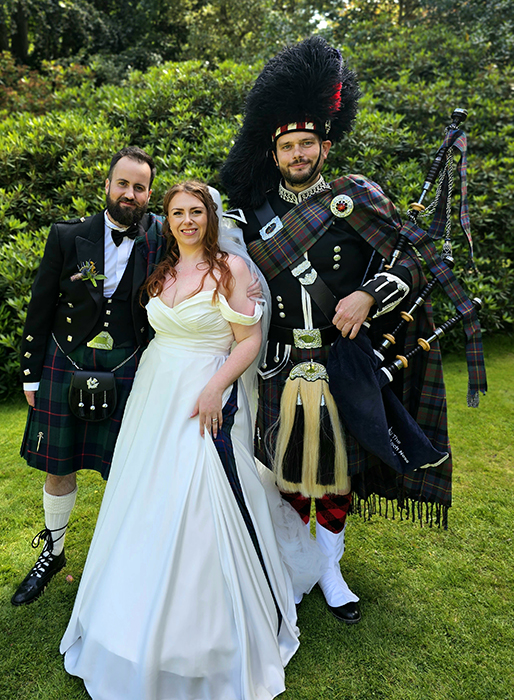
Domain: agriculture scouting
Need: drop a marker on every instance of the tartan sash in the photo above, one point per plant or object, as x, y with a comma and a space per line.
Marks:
374, 217
303, 225
152, 244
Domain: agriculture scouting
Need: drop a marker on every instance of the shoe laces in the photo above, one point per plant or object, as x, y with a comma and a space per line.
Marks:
45, 535
43, 562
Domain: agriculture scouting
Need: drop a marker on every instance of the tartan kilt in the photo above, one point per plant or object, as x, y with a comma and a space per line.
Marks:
370, 476
57, 442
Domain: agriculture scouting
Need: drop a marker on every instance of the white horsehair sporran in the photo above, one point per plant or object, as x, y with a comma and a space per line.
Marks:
310, 453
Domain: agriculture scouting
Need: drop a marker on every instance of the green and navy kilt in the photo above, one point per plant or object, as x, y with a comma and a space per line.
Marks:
57, 442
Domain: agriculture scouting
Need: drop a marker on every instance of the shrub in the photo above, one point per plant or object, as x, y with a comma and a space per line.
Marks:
26, 90
52, 165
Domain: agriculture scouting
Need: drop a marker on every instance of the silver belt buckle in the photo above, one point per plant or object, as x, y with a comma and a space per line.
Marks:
306, 338
305, 273
271, 228
102, 341
310, 371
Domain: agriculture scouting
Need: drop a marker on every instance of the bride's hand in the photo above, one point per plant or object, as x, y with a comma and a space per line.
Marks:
208, 409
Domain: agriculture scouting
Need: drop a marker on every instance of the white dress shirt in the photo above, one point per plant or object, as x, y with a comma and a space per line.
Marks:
115, 258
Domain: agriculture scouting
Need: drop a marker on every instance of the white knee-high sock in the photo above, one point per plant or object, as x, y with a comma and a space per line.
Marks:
334, 587
57, 514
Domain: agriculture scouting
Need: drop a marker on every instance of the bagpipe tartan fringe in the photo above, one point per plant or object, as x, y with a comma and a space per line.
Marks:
424, 512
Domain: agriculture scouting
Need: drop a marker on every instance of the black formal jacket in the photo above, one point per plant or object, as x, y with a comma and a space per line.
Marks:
343, 259
71, 309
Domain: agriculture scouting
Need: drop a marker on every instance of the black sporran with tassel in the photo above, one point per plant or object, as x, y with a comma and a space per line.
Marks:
92, 395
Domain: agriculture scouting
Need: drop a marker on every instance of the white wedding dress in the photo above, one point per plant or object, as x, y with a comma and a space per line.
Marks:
184, 595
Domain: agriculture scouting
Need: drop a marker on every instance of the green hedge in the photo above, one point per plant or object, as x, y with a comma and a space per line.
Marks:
414, 77
54, 156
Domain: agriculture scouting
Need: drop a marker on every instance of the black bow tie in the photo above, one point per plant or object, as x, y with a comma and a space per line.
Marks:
130, 232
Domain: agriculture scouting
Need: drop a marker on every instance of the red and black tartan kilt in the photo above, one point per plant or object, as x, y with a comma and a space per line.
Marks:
57, 442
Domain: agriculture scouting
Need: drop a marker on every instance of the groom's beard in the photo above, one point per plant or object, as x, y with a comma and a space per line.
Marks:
124, 215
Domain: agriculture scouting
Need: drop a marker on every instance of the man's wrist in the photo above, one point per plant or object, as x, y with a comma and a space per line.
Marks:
30, 386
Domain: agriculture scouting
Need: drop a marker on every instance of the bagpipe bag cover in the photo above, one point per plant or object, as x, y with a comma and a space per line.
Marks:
371, 411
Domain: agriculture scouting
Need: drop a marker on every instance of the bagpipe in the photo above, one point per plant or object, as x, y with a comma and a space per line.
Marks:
361, 376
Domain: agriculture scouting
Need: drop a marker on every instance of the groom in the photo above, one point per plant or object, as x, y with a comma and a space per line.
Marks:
85, 312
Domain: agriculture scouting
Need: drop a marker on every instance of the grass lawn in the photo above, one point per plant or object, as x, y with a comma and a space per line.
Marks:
437, 605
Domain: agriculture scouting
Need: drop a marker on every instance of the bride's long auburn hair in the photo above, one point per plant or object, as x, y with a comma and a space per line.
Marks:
215, 258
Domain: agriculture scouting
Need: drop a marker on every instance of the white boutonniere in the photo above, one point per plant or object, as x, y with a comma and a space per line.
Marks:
88, 273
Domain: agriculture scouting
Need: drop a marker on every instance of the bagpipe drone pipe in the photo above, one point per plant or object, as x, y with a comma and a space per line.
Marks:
383, 400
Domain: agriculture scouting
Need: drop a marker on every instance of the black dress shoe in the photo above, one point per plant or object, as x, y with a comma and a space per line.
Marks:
38, 577
349, 613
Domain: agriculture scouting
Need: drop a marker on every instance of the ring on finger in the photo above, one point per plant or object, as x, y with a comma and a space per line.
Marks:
214, 420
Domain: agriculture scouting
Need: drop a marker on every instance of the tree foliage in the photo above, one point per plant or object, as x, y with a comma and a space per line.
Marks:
113, 36
60, 125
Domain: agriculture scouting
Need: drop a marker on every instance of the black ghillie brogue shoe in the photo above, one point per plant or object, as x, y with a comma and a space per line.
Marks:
349, 613
45, 568
38, 577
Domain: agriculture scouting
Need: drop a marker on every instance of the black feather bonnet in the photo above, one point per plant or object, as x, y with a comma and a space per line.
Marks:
305, 87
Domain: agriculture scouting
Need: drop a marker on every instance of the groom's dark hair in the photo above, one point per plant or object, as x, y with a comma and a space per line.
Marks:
134, 153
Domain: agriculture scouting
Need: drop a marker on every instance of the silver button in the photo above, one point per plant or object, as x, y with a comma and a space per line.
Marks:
336, 266
70, 305
69, 338
281, 306
29, 338
282, 314
279, 298
109, 301
142, 329
106, 325
68, 319
337, 257
27, 355
108, 312
26, 372
337, 249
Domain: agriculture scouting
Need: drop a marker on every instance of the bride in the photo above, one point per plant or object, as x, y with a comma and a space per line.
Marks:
184, 595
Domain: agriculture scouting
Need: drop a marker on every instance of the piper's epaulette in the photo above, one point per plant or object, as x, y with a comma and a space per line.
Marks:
78, 220
236, 215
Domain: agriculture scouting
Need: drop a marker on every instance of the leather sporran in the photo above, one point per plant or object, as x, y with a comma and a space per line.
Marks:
92, 395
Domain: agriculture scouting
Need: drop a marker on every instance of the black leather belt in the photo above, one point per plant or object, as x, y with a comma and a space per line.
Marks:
301, 338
